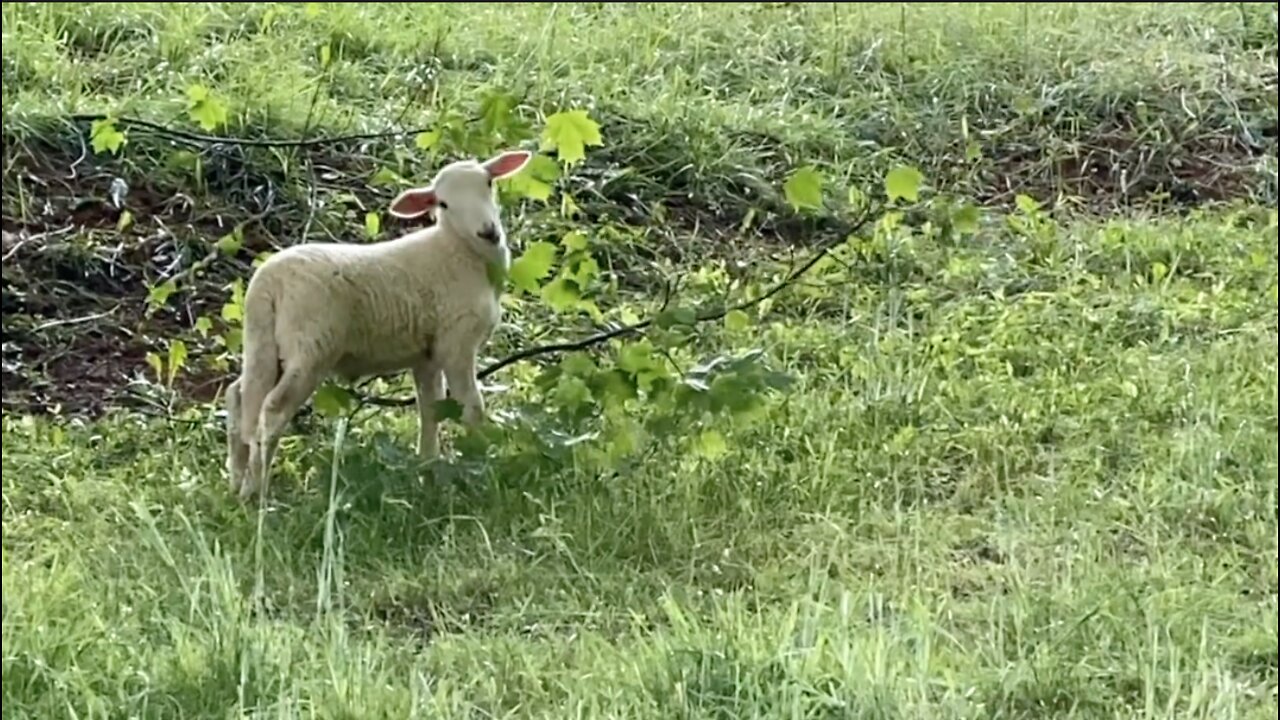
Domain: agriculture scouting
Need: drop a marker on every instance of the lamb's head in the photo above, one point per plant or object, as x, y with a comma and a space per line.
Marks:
463, 195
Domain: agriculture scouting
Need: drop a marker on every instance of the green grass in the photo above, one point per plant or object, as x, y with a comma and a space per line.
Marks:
1025, 473
1058, 503
709, 106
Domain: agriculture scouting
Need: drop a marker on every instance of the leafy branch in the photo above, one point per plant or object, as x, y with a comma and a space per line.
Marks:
577, 385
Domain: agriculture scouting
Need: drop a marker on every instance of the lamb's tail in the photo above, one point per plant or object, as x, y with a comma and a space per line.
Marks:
261, 368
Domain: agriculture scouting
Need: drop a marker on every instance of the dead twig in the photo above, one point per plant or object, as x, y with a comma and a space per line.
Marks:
74, 321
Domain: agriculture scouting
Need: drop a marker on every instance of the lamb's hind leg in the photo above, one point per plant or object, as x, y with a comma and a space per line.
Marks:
237, 448
278, 408
429, 385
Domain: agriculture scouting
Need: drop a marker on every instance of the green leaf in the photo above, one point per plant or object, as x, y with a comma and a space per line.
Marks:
804, 188
737, 320
571, 393
125, 221
385, 176
233, 311
497, 276
578, 363
448, 409
205, 109
638, 359
203, 325
536, 179
1027, 204
231, 243
569, 207
177, 358
574, 241
326, 54
623, 439
104, 136
779, 380
901, 440
614, 385
711, 445
233, 338
903, 182
428, 139
159, 294
182, 160
372, 225
965, 219
495, 111
1159, 270
730, 391
533, 265
157, 365
332, 400
584, 271
675, 316
561, 294
569, 133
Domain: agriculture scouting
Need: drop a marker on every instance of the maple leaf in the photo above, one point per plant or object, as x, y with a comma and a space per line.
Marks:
104, 136
535, 180
569, 133
533, 265
903, 182
205, 108
804, 188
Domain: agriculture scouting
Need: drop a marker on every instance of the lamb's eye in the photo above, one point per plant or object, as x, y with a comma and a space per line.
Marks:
444, 205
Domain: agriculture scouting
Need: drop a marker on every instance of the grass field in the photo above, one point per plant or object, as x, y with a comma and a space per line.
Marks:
1022, 464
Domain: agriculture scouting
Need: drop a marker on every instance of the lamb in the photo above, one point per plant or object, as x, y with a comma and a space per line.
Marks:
423, 302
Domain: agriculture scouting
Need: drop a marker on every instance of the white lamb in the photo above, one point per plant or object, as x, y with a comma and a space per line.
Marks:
424, 302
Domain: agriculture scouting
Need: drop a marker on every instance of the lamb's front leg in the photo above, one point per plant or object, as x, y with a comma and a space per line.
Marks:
458, 354
237, 449
428, 382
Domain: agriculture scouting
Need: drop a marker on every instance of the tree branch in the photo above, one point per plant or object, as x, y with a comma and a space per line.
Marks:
203, 139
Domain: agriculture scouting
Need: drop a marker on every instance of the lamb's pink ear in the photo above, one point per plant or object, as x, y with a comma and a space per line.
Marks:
414, 203
507, 164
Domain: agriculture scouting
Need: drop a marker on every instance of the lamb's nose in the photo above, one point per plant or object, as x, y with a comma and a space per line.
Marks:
489, 234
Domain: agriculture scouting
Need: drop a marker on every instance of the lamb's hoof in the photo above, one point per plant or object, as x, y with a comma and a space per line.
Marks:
473, 416
425, 463
247, 489
235, 476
